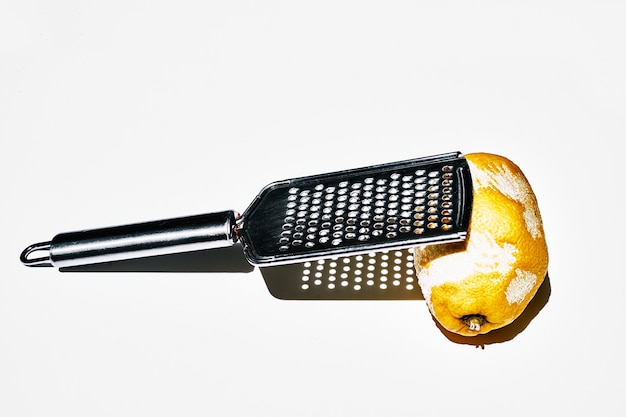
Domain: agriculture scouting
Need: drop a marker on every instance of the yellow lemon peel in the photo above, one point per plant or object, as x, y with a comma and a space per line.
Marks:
486, 282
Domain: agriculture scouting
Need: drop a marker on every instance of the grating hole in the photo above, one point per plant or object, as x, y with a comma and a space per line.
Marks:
365, 209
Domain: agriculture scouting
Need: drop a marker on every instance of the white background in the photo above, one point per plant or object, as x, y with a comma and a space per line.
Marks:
113, 112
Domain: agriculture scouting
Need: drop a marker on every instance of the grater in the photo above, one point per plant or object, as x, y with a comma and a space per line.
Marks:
345, 214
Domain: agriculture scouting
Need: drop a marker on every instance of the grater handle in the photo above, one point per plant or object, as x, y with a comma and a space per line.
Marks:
183, 234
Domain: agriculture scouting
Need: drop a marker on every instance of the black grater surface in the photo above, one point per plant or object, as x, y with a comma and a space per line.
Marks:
397, 205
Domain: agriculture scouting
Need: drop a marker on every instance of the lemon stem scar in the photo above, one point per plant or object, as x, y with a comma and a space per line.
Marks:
474, 321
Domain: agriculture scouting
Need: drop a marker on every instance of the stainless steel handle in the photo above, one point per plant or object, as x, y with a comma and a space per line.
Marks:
183, 234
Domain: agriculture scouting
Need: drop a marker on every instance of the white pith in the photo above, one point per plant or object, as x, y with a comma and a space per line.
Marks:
512, 186
520, 286
483, 255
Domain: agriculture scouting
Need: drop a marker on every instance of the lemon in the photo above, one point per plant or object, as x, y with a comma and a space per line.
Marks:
486, 282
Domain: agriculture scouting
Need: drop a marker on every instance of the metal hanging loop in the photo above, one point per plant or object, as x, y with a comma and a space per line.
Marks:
27, 260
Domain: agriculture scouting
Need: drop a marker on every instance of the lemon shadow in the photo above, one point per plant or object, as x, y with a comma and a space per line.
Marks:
510, 331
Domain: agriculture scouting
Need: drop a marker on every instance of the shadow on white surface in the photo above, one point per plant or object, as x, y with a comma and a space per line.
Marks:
384, 275
230, 259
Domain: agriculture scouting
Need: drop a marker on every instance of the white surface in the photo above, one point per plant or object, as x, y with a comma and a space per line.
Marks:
122, 111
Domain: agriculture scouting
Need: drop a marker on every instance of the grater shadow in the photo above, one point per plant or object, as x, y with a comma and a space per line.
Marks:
382, 275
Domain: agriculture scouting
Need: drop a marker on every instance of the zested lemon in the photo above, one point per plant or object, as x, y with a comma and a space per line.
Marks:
486, 282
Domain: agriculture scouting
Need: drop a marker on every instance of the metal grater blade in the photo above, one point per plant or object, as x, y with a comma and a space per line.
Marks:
345, 213
398, 205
